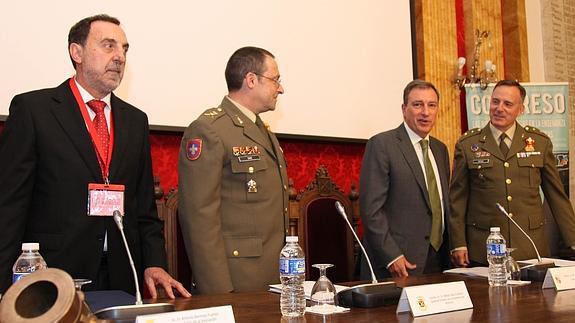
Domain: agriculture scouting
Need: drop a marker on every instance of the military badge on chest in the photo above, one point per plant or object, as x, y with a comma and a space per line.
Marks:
246, 153
251, 184
529, 144
480, 156
529, 149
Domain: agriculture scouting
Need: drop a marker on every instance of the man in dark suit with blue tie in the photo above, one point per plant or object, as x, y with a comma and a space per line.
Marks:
55, 152
404, 184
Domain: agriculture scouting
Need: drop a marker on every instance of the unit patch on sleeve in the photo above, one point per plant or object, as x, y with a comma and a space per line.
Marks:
194, 148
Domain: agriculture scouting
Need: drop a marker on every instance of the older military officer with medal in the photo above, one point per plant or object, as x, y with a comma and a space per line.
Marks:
233, 183
505, 163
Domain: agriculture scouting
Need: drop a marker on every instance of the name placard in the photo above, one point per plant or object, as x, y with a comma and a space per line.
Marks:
562, 278
219, 314
435, 298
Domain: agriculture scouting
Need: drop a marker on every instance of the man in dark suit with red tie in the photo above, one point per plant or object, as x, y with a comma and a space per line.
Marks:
61, 145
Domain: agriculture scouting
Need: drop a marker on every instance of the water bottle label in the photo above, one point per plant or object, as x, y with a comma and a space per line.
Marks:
496, 249
292, 266
17, 276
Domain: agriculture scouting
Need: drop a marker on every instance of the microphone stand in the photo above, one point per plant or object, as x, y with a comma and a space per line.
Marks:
534, 272
366, 295
118, 220
130, 312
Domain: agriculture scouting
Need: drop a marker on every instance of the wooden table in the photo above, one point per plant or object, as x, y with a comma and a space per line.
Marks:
508, 304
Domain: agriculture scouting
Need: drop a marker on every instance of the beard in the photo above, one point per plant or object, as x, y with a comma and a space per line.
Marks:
104, 83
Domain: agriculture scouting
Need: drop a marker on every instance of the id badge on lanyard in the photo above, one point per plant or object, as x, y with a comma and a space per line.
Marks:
104, 199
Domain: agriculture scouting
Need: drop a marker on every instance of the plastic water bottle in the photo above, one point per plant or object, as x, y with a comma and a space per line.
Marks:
29, 261
496, 258
292, 276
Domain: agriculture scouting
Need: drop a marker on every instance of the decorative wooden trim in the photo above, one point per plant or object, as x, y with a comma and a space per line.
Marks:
322, 186
516, 52
436, 34
168, 211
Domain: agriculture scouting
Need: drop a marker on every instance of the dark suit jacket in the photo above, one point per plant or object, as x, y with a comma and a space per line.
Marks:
233, 237
395, 208
46, 162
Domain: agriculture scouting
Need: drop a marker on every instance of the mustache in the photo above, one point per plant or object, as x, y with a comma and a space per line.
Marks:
115, 66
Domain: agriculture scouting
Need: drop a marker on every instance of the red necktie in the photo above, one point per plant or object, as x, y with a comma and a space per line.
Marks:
101, 125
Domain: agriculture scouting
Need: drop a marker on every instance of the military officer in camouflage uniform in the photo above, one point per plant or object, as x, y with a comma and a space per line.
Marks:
233, 183
505, 163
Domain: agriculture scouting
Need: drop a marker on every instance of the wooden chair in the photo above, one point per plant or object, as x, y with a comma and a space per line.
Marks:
323, 234
178, 264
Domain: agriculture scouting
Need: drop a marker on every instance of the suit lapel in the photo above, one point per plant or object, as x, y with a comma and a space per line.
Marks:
253, 132
410, 156
67, 112
122, 130
518, 143
250, 129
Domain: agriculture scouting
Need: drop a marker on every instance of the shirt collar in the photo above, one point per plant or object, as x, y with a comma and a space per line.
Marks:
247, 112
87, 97
413, 137
497, 133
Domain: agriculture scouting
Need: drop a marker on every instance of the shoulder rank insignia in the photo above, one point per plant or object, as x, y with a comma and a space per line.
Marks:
214, 112
194, 148
469, 133
535, 130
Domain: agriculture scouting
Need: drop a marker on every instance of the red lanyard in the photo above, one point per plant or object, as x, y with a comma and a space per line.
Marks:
104, 164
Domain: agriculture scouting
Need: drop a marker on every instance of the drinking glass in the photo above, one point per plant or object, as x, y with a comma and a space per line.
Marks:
79, 282
511, 266
323, 291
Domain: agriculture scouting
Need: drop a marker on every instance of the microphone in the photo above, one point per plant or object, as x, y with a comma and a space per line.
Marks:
130, 312
341, 211
534, 271
118, 219
366, 295
520, 229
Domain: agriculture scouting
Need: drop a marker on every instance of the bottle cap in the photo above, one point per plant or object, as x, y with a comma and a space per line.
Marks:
291, 239
494, 229
31, 246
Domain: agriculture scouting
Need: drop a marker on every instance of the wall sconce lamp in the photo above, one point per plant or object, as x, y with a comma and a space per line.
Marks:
483, 77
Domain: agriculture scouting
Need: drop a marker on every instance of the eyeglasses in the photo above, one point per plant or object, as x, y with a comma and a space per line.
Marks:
278, 81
